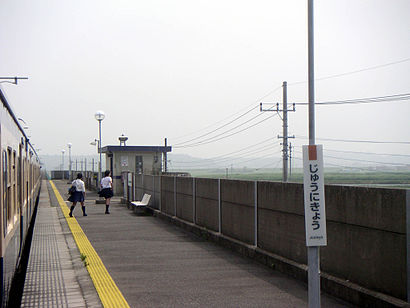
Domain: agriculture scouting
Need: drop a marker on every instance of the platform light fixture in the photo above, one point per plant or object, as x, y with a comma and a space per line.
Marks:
99, 116
70, 176
62, 161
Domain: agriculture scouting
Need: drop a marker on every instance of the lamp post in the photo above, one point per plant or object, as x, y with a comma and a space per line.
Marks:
70, 176
99, 116
62, 161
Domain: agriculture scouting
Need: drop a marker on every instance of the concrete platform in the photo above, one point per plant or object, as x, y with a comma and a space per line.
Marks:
156, 264
55, 277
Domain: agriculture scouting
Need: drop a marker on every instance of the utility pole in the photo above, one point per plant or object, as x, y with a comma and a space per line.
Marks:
285, 136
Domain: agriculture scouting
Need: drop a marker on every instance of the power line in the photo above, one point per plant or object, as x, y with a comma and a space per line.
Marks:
237, 118
363, 160
220, 166
342, 166
378, 99
253, 151
210, 141
353, 72
234, 152
218, 122
368, 153
359, 141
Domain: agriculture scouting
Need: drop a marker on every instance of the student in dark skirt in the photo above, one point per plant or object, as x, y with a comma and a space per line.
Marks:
78, 195
106, 190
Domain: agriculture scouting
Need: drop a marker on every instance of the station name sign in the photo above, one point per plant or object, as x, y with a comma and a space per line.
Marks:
313, 183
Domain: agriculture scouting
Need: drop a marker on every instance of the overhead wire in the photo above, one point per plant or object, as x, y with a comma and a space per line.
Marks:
218, 165
341, 166
360, 160
352, 72
369, 100
218, 122
234, 152
358, 141
241, 124
237, 118
210, 140
253, 151
368, 153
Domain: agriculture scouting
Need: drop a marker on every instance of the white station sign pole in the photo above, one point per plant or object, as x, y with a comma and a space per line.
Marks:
313, 182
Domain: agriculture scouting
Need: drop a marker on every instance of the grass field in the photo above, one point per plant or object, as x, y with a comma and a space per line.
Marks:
368, 178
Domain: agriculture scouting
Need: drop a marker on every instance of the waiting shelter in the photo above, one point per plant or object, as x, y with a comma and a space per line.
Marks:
122, 159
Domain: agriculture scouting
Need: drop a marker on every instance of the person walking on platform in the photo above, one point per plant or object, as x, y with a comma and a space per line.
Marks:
106, 190
78, 195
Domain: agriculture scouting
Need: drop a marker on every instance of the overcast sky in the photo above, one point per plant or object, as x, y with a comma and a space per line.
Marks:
180, 69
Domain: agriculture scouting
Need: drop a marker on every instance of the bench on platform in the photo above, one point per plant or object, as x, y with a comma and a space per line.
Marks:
140, 205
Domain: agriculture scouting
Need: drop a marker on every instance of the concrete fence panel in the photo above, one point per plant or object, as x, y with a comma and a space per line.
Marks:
149, 186
155, 197
207, 203
367, 237
184, 198
238, 210
168, 195
281, 222
139, 188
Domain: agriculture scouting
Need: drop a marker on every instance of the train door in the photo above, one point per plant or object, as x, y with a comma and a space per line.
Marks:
26, 195
20, 204
9, 217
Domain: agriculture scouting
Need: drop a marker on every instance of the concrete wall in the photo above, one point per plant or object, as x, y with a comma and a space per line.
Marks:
168, 195
206, 203
366, 227
184, 198
238, 210
367, 237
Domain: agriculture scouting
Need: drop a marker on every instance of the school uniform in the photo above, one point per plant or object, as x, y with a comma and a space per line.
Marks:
106, 187
77, 196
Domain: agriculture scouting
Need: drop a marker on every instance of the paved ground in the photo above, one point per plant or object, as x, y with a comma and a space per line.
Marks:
55, 275
156, 264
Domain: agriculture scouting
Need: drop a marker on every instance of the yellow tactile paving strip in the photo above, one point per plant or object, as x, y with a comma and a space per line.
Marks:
106, 288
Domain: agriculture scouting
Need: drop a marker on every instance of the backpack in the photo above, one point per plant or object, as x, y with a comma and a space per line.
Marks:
72, 190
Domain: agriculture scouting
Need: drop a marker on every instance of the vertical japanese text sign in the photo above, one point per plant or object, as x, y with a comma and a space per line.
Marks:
313, 182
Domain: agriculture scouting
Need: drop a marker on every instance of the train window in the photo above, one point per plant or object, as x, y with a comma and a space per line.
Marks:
19, 180
9, 189
5, 192
15, 204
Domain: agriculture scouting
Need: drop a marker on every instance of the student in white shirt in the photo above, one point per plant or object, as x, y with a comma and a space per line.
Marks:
106, 190
78, 195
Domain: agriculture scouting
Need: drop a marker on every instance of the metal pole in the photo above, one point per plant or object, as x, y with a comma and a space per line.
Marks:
165, 158
99, 146
290, 160
175, 196
219, 207
311, 73
285, 133
193, 201
256, 212
313, 251
408, 241
70, 176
